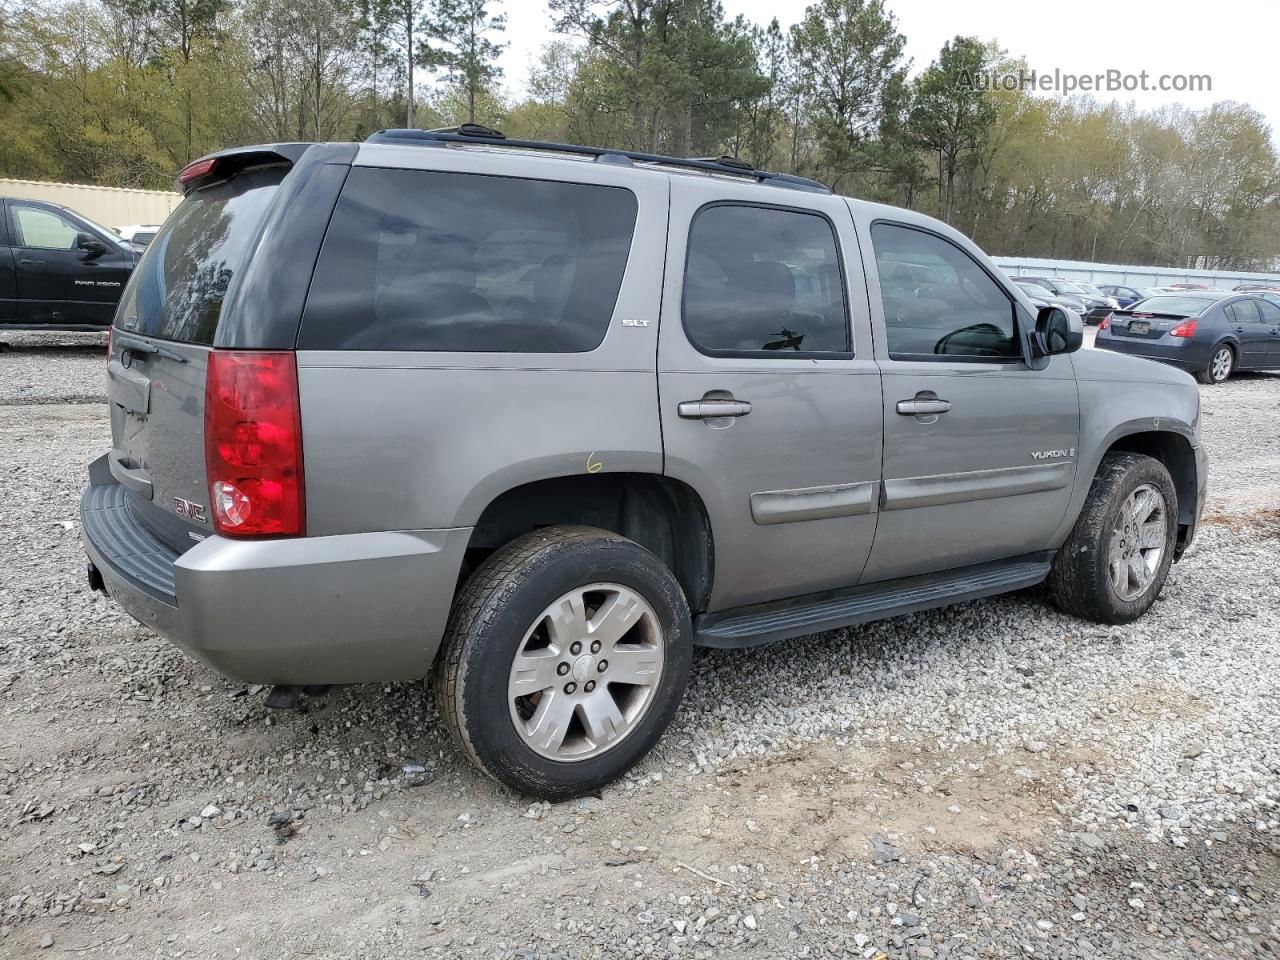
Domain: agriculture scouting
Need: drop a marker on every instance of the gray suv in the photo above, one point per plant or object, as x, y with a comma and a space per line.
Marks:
535, 419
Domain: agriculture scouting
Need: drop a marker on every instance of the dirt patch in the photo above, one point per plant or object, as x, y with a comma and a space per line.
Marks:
831, 802
1267, 520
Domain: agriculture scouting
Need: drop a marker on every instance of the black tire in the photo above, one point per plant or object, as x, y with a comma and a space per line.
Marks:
1079, 582
499, 604
1206, 373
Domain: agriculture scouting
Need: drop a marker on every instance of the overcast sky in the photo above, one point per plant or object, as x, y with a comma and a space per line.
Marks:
1236, 42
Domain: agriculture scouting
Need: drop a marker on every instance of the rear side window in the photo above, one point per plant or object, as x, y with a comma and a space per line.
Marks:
423, 260
938, 303
763, 280
177, 290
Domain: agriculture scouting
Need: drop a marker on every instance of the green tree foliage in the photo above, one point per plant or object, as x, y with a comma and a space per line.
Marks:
851, 73
125, 92
457, 40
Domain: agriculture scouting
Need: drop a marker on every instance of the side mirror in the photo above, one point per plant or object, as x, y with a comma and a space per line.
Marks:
1058, 331
90, 245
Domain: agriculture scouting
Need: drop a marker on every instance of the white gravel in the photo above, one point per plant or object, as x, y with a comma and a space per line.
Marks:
991, 780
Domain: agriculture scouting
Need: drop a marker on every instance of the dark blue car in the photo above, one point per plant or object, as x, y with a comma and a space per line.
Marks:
1207, 333
1126, 295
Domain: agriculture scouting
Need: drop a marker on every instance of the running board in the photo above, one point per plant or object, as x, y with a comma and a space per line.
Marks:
797, 617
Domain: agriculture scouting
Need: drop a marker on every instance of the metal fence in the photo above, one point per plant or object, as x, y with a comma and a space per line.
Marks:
1127, 276
110, 206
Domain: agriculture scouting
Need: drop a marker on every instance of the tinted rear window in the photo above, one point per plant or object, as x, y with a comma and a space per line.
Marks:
177, 290
422, 260
1177, 306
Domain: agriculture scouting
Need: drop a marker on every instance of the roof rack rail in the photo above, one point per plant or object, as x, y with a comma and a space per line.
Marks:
475, 133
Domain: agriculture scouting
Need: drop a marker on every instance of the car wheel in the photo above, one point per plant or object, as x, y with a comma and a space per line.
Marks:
566, 656
1219, 366
1116, 560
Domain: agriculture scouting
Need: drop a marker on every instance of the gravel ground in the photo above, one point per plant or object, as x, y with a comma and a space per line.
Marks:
991, 780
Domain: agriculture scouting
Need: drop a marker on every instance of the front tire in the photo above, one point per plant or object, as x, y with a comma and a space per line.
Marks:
1117, 558
1220, 366
565, 659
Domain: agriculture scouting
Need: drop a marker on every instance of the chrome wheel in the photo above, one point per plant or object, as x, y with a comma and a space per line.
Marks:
1137, 542
586, 672
1220, 365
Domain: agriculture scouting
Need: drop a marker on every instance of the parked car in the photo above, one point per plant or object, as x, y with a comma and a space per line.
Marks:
1124, 296
1094, 306
1204, 332
138, 234
58, 269
1040, 297
1247, 287
352, 441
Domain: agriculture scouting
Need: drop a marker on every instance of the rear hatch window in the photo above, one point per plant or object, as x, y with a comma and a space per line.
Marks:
177, 291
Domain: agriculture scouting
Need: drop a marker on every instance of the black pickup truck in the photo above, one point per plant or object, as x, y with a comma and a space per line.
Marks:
58, 270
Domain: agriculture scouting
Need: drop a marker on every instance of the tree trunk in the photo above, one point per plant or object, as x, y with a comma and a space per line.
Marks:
408, 32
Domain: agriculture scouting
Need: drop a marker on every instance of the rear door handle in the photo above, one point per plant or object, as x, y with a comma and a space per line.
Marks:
30, 263
711, 409
923, 407
1239, 329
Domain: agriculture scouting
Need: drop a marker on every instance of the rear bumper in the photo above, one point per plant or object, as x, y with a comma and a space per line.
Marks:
312, 610
1186, 356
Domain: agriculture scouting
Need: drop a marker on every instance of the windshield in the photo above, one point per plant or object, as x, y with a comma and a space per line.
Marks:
1068, 287
1034, 289
178, 288
1177, 306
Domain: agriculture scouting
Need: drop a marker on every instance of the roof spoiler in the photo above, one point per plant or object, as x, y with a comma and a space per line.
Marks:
225, 163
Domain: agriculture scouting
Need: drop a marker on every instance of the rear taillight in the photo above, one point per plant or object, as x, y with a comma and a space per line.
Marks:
1106, 323
253, 443
1187, 328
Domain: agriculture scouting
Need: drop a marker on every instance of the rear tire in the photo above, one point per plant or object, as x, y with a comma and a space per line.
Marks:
565, 659
1220, 366
1117, 558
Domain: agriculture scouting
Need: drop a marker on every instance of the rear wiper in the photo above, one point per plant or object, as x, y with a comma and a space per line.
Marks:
141, 346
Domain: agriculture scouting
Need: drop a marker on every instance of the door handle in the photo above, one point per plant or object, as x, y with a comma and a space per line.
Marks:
31, 263
711, 409
1239, 329
923, 407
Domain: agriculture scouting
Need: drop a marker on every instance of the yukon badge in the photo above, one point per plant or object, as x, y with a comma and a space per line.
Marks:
192, 511
1053, 454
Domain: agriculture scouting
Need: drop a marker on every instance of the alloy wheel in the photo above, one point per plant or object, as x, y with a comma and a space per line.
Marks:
1137, 542
586, 672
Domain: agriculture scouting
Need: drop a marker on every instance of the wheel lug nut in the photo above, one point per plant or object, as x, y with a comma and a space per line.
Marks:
589, 686
575, 648
570, 687
602, 666
595, 646
562, 669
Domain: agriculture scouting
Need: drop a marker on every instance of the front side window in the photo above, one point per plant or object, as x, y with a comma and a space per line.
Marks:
423, 260
938, 303
761, 280
44, 229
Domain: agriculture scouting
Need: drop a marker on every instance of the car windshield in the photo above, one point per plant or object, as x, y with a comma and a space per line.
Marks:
1034, 289
1175, 306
